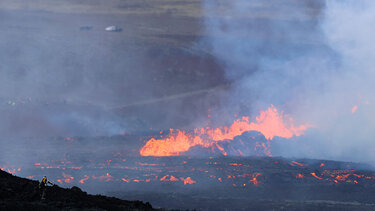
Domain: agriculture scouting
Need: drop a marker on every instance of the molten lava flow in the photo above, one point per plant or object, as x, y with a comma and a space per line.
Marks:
314, 175
125, 180
342, 177
255, 180
354, 109
67, 178
188, 180
270, 123
106, 177
295, 163
169, 178
173, 145
84, 179
300, 176
10, 169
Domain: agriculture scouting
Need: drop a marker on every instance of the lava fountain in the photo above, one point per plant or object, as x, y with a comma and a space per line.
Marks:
270, 123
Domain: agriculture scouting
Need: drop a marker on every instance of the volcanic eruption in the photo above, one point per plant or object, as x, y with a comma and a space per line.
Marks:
194, 104
270, 123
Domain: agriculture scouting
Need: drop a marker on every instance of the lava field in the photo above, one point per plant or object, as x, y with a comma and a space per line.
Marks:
93, 164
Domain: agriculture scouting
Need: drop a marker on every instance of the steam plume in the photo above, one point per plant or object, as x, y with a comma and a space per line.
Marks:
314, 59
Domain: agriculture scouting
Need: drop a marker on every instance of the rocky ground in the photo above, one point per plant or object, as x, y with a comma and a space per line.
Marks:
22, 194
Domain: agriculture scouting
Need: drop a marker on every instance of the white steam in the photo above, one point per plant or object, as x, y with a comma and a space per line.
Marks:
313, 59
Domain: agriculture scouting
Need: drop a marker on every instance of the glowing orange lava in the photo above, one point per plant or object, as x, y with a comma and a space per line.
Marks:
314, 175
67, 178
188, 180
84, 179
354, 109
270, 123
295, 163
300, 176
169, 178
255, 180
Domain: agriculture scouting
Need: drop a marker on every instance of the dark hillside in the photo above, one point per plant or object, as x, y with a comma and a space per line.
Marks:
22, 194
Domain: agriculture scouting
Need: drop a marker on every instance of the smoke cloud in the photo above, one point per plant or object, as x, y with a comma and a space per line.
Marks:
312, 59
62, 74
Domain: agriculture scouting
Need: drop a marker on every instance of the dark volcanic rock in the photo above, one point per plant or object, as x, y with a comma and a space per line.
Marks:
23, 194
